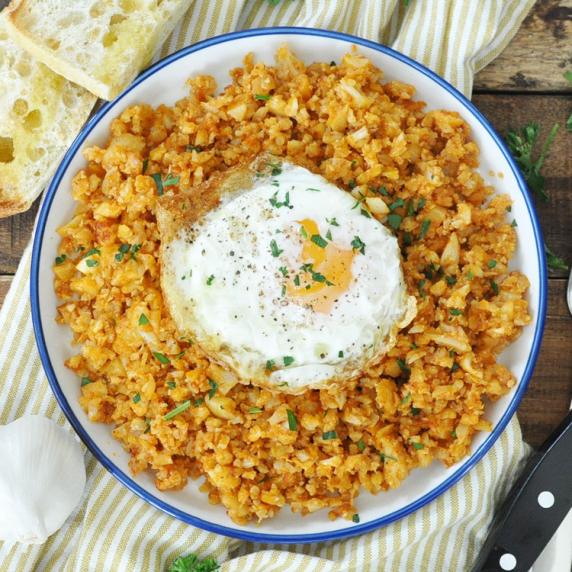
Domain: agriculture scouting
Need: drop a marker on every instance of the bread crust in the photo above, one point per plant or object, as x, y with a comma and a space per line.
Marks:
11, 206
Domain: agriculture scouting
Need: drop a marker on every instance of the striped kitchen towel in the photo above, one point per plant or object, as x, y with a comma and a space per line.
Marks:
112, 529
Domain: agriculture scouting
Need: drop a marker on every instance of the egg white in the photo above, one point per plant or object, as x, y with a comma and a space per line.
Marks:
231, 283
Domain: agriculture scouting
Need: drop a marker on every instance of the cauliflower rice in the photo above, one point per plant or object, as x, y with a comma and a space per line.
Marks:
182, 416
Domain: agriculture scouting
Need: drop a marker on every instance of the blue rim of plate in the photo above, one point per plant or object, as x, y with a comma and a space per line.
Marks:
245, 534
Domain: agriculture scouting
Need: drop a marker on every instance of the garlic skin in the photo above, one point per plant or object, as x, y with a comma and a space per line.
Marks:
42, 478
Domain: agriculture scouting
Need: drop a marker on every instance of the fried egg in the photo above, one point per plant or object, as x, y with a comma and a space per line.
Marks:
291, 282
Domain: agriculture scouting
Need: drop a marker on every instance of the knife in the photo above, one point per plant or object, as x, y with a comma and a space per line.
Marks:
534, 508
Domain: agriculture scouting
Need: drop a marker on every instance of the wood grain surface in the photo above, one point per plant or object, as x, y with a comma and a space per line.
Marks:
524, 83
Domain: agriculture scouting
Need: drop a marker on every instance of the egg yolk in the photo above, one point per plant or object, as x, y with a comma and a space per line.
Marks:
325, 272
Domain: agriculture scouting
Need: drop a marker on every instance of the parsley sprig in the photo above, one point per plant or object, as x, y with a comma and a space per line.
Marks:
191, 563
521, 144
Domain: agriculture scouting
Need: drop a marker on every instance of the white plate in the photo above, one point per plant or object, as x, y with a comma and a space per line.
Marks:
164, 83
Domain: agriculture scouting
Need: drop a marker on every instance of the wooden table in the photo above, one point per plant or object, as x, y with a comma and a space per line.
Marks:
524, 83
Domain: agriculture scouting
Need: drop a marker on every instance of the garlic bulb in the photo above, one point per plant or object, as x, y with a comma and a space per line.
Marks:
42, 477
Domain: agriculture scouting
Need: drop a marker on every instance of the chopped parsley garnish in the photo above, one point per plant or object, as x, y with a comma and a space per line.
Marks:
262, 97
283, 270
513, 223
288, 360
396, 204
303, 232
455, 312
450, 280
210, 279
415, 412
214, 387
470, 275
420, 205
80, 248
315, 190
283, 290
164, 360
410, 209
394, 220
340, 354
92, 252
85, 381
354, 163
179, 356
172, 384
276, 169
403, 367
383, 191
358, 203
329, 235
60, 259
406, 399
492, 263
357, 244
355, 518
137, 398
495, 287
297, 280
255, 410
275, 203
283, 384
365, 213
316, 276
329, 435
143, 320
333, 221
332, 63
157, 178
123, 250
352, 184
407, 239
455, 367
317, 239
360, 445
414, 346
171, 181
270, 365
134, 250
198, 402
292, 420
148, 421
418, 446
274, 248
454, 433
191, 148
92, 263
424, 228
145, 164
178, 410
385, 457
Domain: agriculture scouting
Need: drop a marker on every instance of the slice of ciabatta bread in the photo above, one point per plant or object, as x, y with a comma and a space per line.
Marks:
40, 115
99, 44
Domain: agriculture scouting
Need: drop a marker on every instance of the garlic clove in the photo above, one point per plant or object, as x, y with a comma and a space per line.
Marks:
42, 478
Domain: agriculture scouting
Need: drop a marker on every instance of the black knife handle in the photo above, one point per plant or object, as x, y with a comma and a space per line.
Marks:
534, 508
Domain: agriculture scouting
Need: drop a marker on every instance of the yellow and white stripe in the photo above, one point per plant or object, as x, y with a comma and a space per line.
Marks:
112, 529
